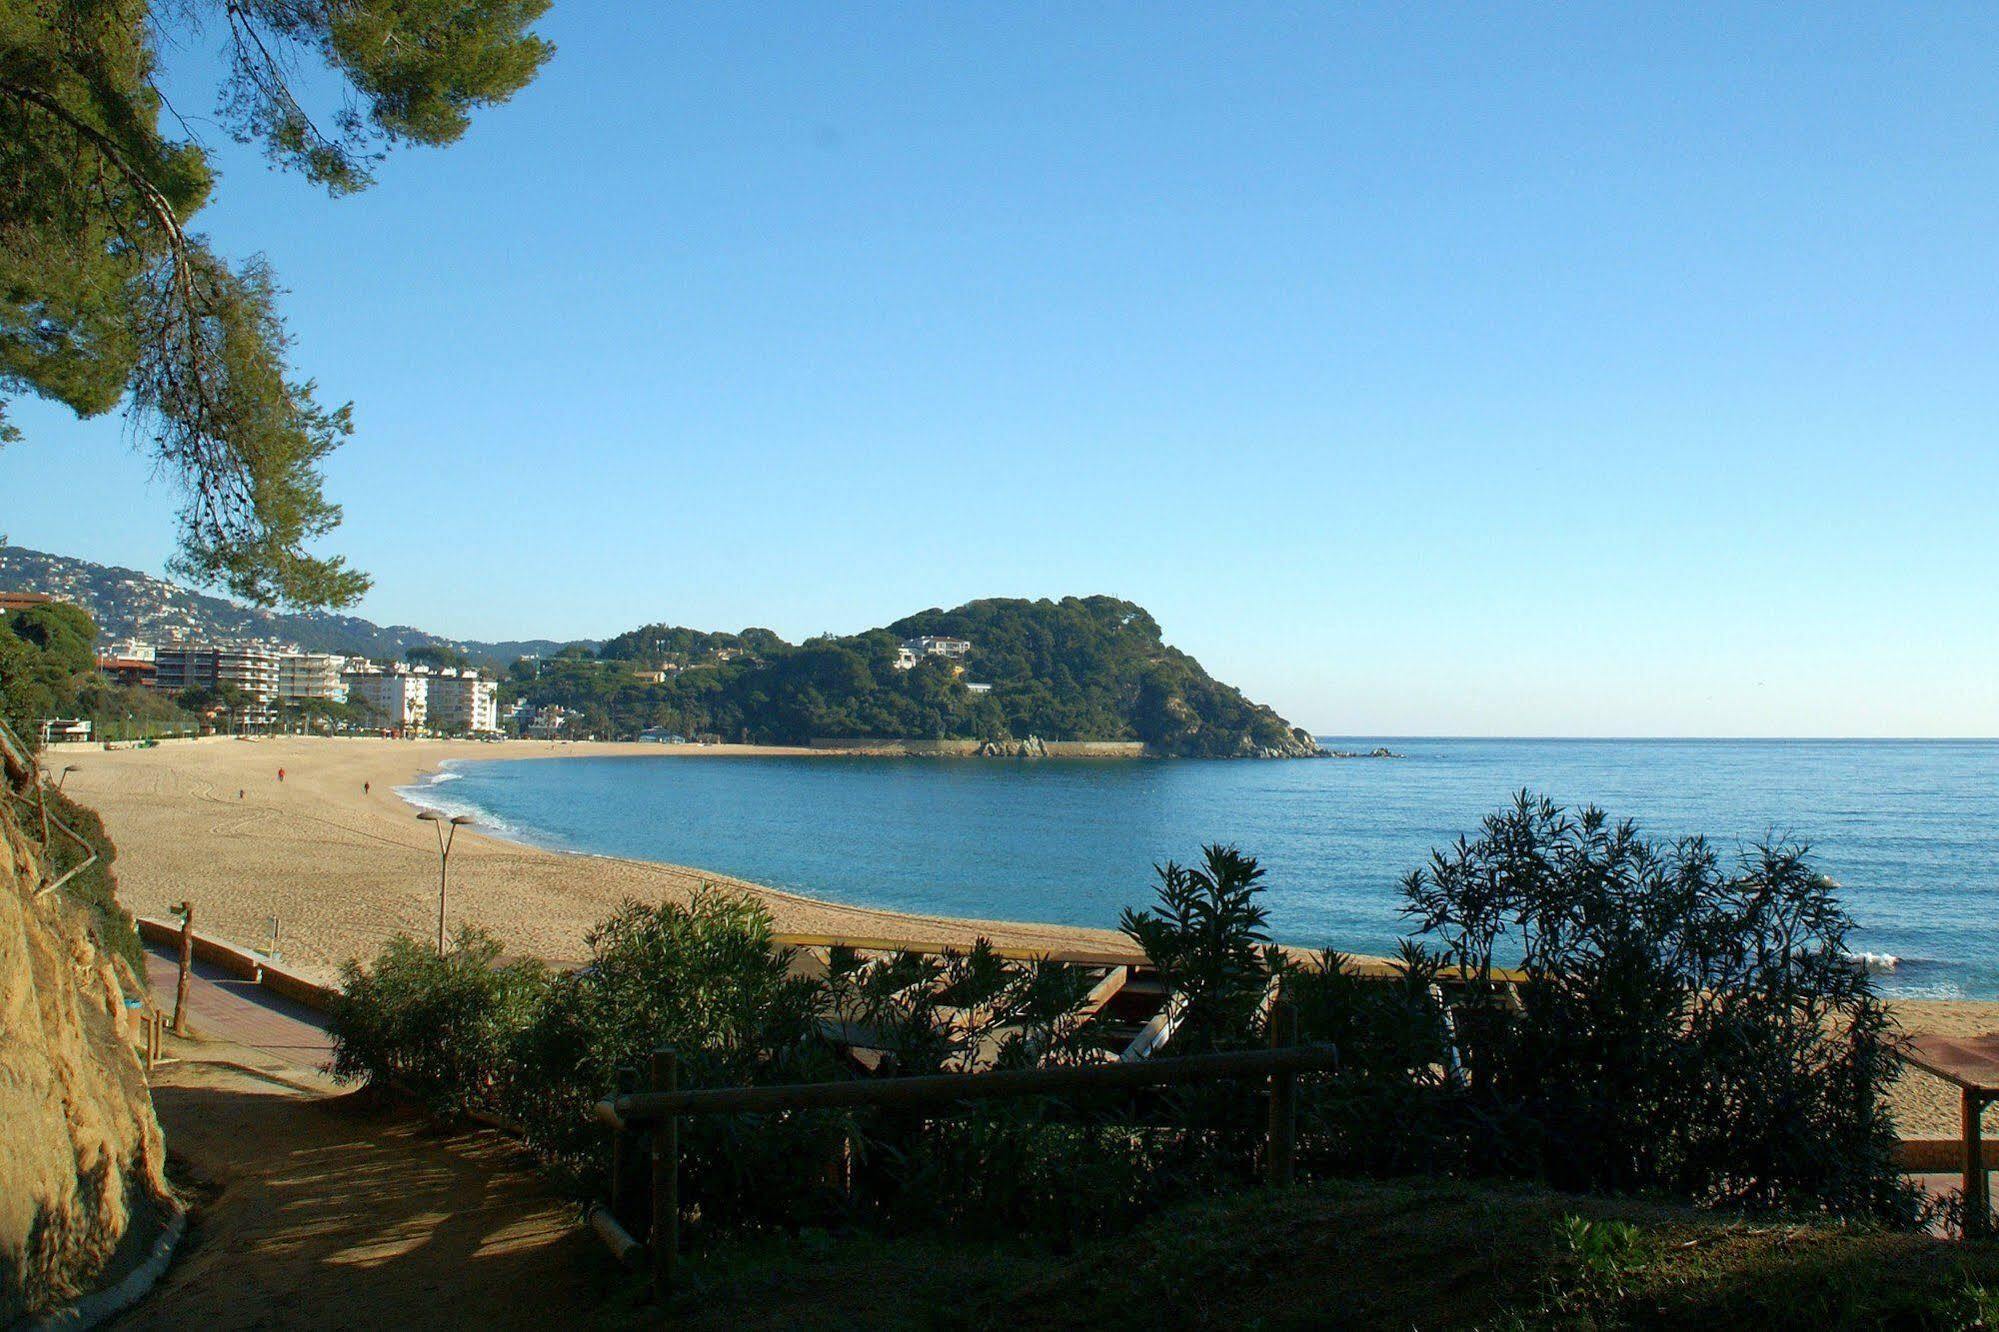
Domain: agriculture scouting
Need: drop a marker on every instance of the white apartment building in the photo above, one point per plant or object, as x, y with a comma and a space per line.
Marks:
396, 696
254, 670
304, 675
461, 701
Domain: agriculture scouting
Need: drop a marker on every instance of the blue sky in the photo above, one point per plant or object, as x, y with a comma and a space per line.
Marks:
1468, 370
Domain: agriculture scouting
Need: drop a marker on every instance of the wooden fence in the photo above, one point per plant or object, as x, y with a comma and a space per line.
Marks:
660, 1105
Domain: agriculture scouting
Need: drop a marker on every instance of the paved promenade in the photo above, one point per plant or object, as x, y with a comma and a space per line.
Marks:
223, 1007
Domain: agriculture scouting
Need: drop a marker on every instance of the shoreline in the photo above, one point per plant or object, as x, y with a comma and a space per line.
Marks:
343, 868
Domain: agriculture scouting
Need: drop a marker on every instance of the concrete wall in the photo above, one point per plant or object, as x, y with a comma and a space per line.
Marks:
969, 748
247, 963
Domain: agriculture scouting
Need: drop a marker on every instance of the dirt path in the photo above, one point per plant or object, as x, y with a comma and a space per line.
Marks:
323, 1212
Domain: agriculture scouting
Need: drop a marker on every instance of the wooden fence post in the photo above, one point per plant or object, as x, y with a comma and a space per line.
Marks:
1281, 1152
1977, 1184
665, 1178
624, 1158
185, 910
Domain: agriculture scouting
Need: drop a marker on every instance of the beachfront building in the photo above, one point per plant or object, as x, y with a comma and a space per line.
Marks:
395, 696
461, 701
547, 723
304, 675
251, 670
128, 670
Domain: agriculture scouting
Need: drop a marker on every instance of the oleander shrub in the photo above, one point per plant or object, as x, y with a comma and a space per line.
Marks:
1207, 936
1686, 1027
440, 1027
1681, 1029
706, 980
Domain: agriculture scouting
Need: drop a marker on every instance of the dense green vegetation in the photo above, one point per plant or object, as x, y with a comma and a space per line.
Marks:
1685, 1032
48, 668
109, 301
1082, 668
1406, 1253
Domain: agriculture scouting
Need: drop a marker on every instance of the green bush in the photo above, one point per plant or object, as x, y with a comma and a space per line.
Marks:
1687, 1029
1682, 1031
442, 1028
1206, 935
705, 980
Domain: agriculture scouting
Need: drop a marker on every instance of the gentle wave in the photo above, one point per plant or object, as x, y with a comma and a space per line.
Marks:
425, 795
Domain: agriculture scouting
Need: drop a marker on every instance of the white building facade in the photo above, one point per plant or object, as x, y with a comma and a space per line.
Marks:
304, 675
396, 696
461, 701
253, 670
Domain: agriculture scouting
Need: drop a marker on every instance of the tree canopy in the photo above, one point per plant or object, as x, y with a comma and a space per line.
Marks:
106, 296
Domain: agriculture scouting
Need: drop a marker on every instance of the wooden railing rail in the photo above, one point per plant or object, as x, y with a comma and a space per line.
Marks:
650, 1118
945, 1089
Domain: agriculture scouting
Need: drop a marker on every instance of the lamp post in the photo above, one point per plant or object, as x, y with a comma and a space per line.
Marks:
62, 776
447, 832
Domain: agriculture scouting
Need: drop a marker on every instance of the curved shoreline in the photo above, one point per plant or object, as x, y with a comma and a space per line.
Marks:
344, 868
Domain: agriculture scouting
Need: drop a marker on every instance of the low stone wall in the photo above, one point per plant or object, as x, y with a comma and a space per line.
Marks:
1094, 748
276, 977
970, 748
926, 748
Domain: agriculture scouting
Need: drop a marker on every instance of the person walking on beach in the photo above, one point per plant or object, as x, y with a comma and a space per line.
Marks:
281, 774
365, 788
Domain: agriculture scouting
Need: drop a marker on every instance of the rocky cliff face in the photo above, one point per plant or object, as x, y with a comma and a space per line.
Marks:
1298, 743
80, 1150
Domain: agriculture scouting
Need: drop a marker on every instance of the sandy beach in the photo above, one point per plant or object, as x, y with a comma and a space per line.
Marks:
343, 869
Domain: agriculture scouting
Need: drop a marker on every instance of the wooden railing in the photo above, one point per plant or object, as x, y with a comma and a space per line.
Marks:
661, 1105
23, 774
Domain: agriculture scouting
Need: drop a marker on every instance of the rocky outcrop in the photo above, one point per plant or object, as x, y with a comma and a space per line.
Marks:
1032, 747
1297, 743
80, 1151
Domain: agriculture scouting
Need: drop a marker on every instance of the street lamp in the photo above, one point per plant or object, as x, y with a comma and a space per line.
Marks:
68, 768
447, 832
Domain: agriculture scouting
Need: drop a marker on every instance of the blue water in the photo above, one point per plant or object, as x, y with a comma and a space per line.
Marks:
1910, 829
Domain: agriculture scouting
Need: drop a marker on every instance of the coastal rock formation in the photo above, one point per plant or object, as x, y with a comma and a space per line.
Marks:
80, 1150
1032, 747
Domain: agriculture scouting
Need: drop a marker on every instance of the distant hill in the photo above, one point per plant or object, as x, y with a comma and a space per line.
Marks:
129, 604
1082, 668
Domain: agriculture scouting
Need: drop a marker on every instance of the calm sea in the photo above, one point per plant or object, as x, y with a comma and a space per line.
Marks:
1909, 828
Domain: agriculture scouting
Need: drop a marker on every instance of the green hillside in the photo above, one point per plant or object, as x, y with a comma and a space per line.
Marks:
1082, 668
